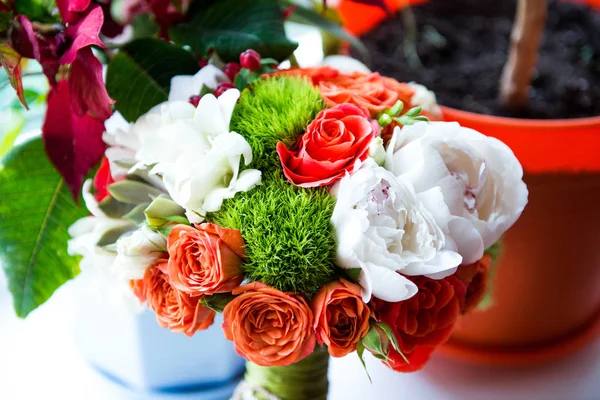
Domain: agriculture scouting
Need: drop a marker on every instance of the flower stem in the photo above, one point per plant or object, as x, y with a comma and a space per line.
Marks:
306, 379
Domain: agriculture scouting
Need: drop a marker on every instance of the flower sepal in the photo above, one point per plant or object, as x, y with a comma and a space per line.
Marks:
380, 340
217, 302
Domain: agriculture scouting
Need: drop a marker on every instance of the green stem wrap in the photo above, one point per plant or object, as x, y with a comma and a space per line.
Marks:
306, 379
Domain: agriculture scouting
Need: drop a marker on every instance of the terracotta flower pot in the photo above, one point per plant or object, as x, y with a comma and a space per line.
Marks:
546, 289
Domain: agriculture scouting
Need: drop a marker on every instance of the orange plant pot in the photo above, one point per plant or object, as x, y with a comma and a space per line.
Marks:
546, 289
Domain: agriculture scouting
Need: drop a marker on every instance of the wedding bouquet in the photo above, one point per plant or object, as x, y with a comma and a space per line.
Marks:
322, 210
315, 209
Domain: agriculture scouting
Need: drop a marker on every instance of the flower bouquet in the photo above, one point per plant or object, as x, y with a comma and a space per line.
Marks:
321, 210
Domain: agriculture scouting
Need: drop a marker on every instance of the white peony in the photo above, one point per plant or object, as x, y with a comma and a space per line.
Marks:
138, 251
480, 178
185, 86
383, 227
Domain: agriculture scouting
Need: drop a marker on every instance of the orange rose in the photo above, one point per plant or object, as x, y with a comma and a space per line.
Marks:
371, 91
475, 277
174, 309
269, 327
206, 260
315, 74
341, 317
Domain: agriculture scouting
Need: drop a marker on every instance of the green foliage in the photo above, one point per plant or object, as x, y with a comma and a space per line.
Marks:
273, 110
495, 251
139, 76
36, 209
289, 238
233, 26
37, 10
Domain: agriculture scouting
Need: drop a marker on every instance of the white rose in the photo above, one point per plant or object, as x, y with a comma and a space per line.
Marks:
138, 251
185, 86
480, 178
194, 152
383, 227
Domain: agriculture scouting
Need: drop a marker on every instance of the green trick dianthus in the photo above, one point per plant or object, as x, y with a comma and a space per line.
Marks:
290, 243
275, 109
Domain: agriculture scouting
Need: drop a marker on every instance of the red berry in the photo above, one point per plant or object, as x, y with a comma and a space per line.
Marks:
195, 100
250, 59
223, 87
231, 70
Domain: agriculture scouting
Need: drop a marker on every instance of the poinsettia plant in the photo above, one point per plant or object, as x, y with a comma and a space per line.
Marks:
99, 56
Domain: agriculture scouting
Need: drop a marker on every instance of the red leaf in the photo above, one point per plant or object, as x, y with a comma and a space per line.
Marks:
11, 61
70, 9
31, 44
4, 7
73, 144
84, 33
87, 89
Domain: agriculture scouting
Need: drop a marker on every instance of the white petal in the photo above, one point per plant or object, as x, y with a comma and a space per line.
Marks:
207, 117
182, 87
389, 285
467, 239
227, 102
247, 180
444, 262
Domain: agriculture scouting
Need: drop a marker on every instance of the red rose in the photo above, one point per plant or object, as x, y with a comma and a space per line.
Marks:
332, 144
422, 322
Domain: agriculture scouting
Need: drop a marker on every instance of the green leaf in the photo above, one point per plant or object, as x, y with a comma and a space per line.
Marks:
360, 350
133, 192
392, 338
15, 126
139, 76
217, 301
494, 251
413, 112
36, 209
162, 208
308, 16
113, 208
353, 274
231, 27
372, 342
37, 10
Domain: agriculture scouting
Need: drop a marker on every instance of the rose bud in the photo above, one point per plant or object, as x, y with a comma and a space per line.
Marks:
250, 59
341, 317
269, 327
206, 260
231, 70
223, 87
